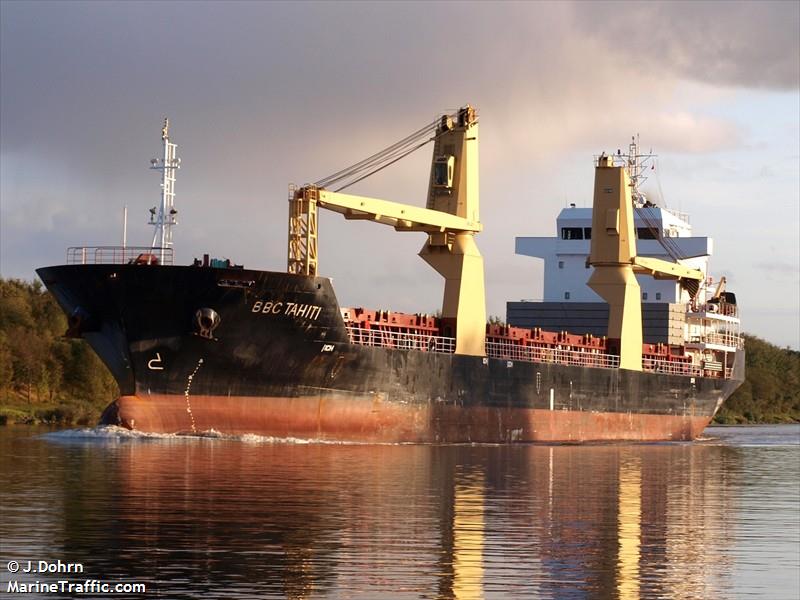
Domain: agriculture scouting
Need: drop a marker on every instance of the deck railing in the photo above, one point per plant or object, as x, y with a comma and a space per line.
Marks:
577, 358
118, 255
518, 352
402, 341
731, 340
724, 339
671, 367
501, 350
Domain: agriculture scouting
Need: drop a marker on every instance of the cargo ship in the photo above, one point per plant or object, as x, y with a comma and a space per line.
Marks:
215, 346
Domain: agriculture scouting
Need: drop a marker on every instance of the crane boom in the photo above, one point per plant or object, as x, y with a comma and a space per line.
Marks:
451, 219
720, 288
403, 217
663, 269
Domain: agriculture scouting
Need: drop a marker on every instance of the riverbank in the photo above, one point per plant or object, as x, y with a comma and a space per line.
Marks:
771, 390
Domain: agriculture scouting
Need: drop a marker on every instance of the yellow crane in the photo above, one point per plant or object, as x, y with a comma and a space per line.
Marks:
613, 256
450, 220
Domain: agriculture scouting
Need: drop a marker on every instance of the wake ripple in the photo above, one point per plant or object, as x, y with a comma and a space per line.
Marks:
115, 434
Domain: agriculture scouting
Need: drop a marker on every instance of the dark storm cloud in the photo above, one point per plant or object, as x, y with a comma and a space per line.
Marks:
67, 65
748, 44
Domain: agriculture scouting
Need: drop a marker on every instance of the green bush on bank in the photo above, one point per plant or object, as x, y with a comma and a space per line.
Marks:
771, 391
45, 377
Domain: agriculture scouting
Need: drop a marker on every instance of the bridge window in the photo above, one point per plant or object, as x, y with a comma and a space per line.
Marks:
658, 295
572, 233
587, 233
561, 264
566, 295
644, 295
645, 233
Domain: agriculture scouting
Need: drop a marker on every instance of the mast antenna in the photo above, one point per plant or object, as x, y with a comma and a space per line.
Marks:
163, 217
637, 170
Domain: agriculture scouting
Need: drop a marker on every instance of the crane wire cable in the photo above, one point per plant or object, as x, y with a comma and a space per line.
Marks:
414, 149
382, 159
664, 202
651, 221
671, 247
384, 156
396, 156
378, 156
387, 157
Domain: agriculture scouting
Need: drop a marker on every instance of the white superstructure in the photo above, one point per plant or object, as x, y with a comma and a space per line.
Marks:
708, 316
565, 255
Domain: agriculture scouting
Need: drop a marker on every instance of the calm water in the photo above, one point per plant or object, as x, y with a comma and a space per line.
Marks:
244, 518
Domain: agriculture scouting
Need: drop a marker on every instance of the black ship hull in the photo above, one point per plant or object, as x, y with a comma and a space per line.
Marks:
241, 351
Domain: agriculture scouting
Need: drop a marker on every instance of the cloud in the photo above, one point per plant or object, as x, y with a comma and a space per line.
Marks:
685, 132
747, 44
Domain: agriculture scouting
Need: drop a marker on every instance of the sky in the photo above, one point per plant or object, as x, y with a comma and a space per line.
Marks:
263, 94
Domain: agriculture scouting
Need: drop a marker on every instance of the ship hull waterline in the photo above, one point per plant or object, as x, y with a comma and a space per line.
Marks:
357, 420
279, 363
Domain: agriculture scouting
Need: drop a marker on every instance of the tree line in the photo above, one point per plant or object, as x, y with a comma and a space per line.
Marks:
771, 390
47, 378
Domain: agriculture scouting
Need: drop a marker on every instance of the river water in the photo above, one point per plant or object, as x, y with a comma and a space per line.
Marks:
253, 517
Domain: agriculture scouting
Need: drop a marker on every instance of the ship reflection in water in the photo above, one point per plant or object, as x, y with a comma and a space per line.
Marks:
238, 519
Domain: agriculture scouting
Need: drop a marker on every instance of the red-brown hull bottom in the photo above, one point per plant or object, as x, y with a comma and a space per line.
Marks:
375, 421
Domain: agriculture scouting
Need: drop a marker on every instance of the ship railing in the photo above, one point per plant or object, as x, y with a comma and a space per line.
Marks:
118, 255
731, 340
671, 367
723, 339
402, 341
576, 358
683, 216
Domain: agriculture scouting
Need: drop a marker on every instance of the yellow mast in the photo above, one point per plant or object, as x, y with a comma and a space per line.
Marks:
613, 256
613, 248
453, 189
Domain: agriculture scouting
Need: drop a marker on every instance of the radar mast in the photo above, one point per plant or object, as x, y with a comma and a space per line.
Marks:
163, 217
637, 165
